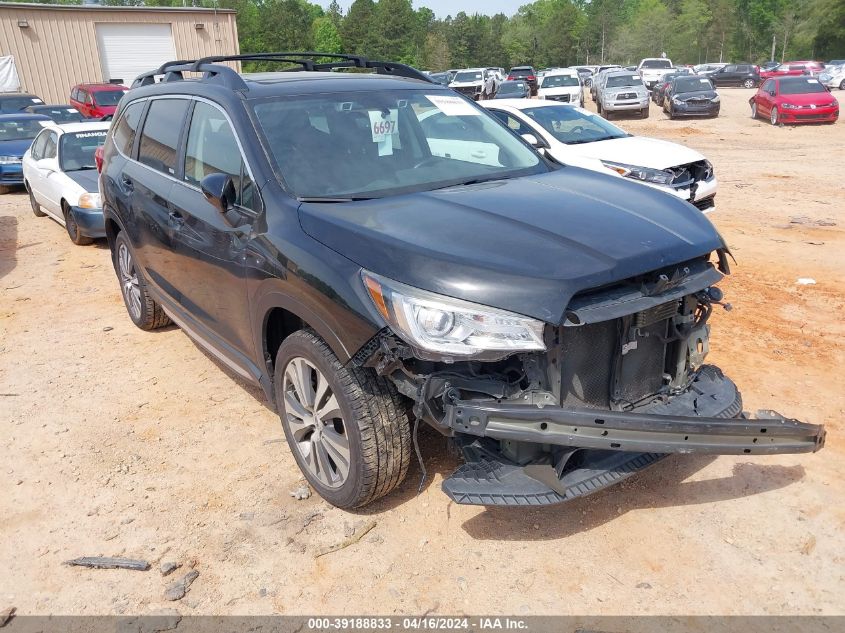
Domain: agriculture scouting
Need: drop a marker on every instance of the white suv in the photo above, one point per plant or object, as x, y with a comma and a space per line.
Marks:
652, 68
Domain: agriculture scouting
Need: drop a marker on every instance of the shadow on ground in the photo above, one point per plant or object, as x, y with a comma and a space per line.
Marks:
8, 244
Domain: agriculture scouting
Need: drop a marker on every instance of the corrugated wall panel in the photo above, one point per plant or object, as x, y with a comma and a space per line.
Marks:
59, 47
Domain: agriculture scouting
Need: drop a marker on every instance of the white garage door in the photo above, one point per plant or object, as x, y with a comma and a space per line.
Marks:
127, 50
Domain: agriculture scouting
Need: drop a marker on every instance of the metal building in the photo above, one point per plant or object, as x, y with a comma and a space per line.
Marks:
57, 46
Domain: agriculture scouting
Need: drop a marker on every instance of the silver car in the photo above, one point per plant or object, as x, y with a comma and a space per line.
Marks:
622, 91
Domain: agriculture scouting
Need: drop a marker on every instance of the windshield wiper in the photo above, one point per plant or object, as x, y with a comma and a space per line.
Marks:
474, 181
317, 199
593, 140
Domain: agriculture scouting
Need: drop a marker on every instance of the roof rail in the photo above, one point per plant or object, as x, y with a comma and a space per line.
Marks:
302, 61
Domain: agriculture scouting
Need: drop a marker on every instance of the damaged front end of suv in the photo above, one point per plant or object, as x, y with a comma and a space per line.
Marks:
543, 413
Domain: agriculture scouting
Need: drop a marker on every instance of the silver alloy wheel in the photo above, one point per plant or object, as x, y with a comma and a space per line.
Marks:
753, 110
749, 83
774, 116
315, 421
129, 281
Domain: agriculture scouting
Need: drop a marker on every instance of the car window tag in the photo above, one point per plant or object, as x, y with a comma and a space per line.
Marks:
383, 127
453, 106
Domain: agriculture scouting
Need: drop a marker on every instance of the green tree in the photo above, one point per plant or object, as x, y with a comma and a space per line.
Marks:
326, 36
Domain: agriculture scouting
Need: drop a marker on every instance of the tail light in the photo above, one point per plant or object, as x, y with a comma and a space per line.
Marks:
531, 78
98, 159
511, 78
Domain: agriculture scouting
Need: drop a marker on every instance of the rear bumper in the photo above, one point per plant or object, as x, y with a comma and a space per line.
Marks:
90, 221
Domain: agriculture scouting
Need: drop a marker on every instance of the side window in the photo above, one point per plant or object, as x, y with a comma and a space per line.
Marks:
38, 146
74, 94
50, 146
212, 149
127, 126
160, 136
514, 124
730, 69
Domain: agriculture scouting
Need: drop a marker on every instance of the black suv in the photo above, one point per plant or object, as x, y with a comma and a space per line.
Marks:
525, 73
745, 75
375, 250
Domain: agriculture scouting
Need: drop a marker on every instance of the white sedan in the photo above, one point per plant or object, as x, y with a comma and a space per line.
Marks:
60, 175
573, 136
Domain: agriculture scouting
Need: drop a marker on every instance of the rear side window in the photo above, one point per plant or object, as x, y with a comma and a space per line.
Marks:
212, 149
127, 126
160, 137
38, 146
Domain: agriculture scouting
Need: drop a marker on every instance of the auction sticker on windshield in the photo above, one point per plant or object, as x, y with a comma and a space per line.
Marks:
452, 106
383, 125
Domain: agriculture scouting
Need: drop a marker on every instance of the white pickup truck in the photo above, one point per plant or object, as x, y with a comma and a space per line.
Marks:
651, 69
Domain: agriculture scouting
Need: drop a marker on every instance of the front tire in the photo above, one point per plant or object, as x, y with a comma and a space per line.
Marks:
753, 110
842, 85
36, 208
72, 227
774, 116
144, 312
644, 112
346, 426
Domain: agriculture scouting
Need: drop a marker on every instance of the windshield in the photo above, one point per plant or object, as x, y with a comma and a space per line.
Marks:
61, 114
515, 87
521, 72
692, 84
560, 81
76, 150
801, 86
656, 63
108, 97
468, 76
19, 129
572, 126
376, 144
16, 104
624, 81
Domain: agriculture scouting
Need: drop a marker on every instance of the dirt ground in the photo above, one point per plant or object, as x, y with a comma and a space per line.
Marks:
125, 443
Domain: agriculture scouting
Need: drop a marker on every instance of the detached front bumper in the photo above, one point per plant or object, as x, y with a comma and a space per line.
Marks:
594, 448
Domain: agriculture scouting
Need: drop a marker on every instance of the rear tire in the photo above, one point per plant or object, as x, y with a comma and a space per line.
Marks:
144, 312
36, 209
748, 83
73, 228
346, 426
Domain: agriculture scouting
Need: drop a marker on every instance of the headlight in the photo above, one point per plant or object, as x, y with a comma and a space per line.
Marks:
677, 101
788, 106
449, 326
716, 99
9, 160
656, 176
89, 201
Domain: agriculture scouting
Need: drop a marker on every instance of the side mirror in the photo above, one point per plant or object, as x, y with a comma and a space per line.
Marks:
219, 190
46, 164
532, 140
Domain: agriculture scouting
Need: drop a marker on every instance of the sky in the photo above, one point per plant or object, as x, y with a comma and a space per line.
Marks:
442, 8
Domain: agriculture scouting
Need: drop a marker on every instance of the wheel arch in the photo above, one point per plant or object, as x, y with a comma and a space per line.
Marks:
278, 315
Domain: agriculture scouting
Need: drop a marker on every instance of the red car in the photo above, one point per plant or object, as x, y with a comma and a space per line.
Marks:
96, 100
793, 69
794, 100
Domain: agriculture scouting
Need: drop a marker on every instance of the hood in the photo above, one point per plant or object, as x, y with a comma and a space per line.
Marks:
14, 148
526, 245
696, 94
817, 98
640, 89
561, 90
85, 178
641, 151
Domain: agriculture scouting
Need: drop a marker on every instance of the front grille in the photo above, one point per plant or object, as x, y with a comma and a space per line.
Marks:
626, 95
811, 117
15, 176
469, 91
563, 98
706, 203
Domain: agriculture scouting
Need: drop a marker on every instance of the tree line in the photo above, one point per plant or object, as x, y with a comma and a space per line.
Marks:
543, 33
